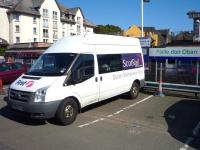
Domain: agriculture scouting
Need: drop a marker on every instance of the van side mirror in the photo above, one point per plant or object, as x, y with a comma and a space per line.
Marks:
72, 79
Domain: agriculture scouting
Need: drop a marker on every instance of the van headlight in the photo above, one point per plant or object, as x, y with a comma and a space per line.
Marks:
40, 94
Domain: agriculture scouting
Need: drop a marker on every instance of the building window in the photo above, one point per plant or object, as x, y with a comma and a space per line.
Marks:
71, 27
55, 24
17, 29
62, 15
45, 40
34, 20
63, 25
55, 15
45, 23
78, 29
34, 31
17, 39
16, 17
63, 34
45, 13
45, 33
69, 17
55, 34
34, 39
79, 20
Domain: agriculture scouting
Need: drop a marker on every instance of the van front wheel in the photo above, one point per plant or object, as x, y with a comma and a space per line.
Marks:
67, 111
133, 93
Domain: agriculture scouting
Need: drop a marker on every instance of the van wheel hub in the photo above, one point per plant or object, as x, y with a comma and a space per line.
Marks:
134, 90
68, 111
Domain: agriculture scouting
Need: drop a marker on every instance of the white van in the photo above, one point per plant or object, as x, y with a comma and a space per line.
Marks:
78, 71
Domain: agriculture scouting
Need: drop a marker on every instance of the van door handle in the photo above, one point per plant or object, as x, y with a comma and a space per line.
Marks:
96, 79
101, 78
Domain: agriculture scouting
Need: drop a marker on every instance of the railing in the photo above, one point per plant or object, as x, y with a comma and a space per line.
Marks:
174, 87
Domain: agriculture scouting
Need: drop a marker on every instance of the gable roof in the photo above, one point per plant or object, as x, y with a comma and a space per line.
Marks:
63, 8
37, 3
31, 7
27, 7
74, 11
88, 23
8, 3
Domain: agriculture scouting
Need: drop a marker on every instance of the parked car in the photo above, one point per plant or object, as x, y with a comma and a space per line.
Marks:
184, 69
194, 70
11, 71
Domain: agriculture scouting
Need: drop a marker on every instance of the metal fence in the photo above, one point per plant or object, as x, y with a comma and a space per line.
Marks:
177, 74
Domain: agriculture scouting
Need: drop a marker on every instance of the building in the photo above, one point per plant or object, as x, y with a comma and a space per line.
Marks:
26, 21
26, 53
133, 31
158, 37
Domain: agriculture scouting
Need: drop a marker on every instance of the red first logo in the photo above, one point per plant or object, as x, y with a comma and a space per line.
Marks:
29, 83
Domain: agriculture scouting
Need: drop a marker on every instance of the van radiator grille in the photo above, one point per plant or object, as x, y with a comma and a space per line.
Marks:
21, 95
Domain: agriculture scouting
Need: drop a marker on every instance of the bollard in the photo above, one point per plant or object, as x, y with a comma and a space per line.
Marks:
160, 91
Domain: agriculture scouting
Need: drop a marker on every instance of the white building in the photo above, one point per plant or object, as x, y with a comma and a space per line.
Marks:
24, 21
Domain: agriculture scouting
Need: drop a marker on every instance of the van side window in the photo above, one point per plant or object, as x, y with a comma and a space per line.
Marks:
109, 63
83, 68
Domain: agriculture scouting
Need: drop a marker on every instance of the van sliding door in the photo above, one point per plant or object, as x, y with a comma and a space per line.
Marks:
109, 65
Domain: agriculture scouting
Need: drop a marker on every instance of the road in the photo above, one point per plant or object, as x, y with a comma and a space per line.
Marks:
149, 122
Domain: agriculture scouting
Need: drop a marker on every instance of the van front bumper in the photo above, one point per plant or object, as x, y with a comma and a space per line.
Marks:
34, 110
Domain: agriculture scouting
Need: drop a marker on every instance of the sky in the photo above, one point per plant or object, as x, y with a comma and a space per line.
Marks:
161, 14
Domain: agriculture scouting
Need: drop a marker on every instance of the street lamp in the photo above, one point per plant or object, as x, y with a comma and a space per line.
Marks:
142, 3
198, 27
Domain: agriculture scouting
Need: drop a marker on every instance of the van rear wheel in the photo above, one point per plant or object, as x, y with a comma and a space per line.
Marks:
67, 112
134, 92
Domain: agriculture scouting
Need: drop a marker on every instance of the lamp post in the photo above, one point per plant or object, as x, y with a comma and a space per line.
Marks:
142, 8
196, 24
198, 27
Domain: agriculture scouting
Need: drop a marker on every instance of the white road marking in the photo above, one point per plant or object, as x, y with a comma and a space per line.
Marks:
110, 116
116, 113
195, 131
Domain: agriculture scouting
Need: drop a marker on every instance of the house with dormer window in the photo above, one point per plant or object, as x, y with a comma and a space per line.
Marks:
26, 21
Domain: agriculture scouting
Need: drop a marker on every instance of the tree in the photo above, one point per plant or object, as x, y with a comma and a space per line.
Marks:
108, 29
2, 51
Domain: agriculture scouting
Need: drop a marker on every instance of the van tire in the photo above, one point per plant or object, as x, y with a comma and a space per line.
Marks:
67, 111
134, 92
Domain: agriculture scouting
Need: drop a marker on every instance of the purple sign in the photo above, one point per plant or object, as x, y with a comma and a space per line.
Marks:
131, 61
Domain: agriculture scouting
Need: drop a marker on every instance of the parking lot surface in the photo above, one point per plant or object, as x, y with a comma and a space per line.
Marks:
149, 122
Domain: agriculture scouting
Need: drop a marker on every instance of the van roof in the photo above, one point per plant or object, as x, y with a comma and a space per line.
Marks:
76, 44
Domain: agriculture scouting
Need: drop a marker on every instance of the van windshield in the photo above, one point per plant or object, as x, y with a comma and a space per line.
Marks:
52, 64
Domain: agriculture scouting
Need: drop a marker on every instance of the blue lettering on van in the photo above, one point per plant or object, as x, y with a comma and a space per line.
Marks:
20, 82
131, 61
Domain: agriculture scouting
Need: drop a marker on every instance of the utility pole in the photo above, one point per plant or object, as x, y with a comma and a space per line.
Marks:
142, 9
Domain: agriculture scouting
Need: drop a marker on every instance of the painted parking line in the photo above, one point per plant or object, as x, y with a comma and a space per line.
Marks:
195, 132
115, 113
